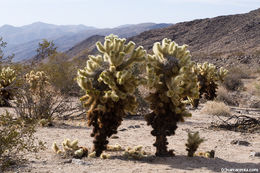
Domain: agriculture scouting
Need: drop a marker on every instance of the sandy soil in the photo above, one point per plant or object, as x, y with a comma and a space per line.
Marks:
227, 155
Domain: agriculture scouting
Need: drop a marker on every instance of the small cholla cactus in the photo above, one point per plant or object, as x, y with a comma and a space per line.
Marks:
135, 152
70, 148
193, 143
170, 75
109, 84
7, 77
208, 76
37, 80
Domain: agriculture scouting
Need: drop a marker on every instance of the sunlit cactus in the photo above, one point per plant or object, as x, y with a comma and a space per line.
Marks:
193, 143
109, 84
37, 80
7, 77
171, 79
208, 77
70, 148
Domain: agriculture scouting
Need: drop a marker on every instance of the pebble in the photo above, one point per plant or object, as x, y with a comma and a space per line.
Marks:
122, 129
131, 127
255, 154
114, 137
137, 126
238, 142
80, 162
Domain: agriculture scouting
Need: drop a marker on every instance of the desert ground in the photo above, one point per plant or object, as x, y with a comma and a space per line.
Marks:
134, 131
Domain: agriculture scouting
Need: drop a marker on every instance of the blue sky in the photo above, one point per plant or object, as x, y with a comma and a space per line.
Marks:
111, 13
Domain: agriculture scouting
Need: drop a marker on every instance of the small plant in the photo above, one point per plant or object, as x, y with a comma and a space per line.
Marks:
70, 149
115, 147
216, 108
109, 84
7, 78
135, 153
170, 76
15, 139
208, 77
193, 143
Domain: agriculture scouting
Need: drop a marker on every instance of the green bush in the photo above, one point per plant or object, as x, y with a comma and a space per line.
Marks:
15, 139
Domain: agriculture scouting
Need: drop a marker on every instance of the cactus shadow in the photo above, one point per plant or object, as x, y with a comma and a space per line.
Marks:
185, 163
213, 164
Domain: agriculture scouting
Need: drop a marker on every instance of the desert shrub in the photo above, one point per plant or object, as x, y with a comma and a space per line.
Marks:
109, 85
216, 108
15, 139
241, 71
233, 82
171, 79
223, 95
7, 85
37, 100
61, 73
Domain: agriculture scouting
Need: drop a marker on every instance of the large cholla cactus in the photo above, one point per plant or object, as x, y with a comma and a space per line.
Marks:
171, 77
208, 76
7, 77
109, 84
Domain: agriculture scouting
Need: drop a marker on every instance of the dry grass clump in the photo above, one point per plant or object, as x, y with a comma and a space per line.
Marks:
216, 108
223, 95
233, 82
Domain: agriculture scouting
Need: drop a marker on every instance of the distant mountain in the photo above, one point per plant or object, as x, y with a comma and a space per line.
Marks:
17, 35
210, 39
23, 41
220, 35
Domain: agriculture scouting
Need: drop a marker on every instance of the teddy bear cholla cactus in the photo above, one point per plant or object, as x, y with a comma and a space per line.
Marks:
208, 77
37, 80
193, 143
109, 84
7, 77
135, 152
170, 75
70, 148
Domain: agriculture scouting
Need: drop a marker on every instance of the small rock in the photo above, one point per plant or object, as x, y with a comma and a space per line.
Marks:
131, 127
80, 162
67, 161
114, 137
122, 129
238, 142
255, 154
137, 126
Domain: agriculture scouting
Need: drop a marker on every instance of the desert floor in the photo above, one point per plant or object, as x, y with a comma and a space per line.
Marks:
134, 131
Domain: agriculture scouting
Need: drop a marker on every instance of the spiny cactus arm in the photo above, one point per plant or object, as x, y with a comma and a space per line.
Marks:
138, 55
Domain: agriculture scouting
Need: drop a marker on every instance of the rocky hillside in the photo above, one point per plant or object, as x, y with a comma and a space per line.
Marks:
220, 35
85, 48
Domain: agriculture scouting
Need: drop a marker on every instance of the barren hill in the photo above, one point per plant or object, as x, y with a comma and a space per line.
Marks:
220, 35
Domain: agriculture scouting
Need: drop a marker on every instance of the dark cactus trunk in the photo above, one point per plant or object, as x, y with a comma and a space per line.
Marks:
105, 124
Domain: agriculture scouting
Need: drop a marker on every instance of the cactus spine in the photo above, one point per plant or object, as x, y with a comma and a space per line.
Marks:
170, 75
109, 85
